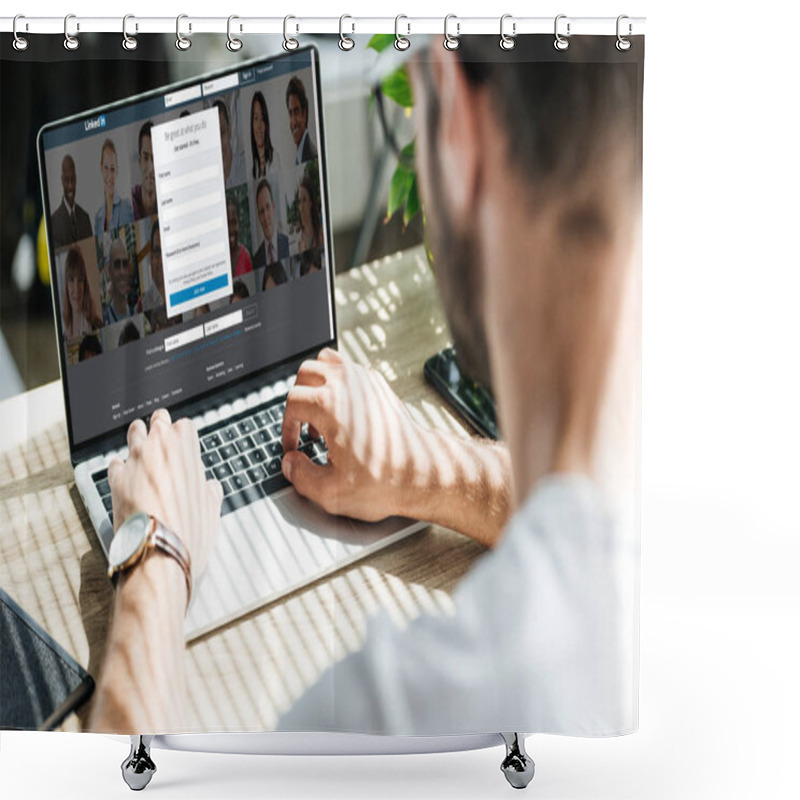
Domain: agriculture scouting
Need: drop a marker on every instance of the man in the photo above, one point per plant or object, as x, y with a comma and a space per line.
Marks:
275, 245
155, 294
70, 222
120, 273
232, 168
297, 106
144, 194
529, 172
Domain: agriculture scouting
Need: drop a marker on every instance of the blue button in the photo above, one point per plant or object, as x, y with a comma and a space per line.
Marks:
184, 295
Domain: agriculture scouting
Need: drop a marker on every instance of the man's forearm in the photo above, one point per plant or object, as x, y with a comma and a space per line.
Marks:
142, 687
463, 484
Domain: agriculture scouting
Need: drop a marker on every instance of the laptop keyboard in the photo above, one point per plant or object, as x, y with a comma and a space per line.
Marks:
244, 454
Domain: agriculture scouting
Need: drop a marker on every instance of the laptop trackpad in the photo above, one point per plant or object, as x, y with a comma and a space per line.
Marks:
275, 546
296, 511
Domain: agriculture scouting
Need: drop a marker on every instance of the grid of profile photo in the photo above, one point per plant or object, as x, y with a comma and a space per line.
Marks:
109, 272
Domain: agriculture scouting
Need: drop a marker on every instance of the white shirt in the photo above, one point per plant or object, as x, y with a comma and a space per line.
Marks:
298, 157
543, 639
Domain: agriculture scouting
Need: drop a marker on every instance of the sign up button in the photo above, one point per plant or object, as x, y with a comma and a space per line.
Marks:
192, 292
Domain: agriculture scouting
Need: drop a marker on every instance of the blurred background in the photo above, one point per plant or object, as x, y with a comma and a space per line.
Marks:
46, 83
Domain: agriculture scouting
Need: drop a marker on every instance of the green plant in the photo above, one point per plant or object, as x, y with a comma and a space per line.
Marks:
395, 86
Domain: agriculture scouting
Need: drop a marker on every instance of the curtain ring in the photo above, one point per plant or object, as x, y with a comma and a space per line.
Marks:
233, 44
345, 42
507, 42
451, 42
289, 44
623, 44
181, 42
129, 42
70, 42
561, 42
401, 42
20, 42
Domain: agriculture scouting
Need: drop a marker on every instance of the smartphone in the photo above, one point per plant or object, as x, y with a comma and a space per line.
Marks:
472, 401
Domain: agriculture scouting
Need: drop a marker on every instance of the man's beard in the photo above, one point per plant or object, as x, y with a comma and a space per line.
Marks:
458, 275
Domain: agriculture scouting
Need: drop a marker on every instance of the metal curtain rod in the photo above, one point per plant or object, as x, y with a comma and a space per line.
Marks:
74, 25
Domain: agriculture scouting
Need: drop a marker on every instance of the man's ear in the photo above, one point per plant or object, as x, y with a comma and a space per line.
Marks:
458, 140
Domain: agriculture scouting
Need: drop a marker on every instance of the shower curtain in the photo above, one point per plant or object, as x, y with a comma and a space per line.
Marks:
535, 631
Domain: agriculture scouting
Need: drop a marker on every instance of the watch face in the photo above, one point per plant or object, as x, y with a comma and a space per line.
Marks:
129, 539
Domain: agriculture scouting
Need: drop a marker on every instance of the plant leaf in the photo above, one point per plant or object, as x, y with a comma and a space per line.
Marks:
399, 189
380, 41
397, 87
407, 153
412, 201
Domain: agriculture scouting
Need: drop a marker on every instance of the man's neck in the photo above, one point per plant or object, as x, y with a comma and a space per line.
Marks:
148, 200
301, 143
549, 374
121, 304
69, 206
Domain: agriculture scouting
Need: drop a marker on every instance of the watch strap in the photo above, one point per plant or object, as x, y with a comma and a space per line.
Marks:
162, 538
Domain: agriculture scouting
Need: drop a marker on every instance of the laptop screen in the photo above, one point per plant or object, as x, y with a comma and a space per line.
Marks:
189, 239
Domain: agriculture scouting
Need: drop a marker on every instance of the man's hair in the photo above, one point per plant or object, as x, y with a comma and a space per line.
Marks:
90, 345
67, 158
240, 289
145, 131
130, 333
296, 87
223, 109
562, 117
264, 184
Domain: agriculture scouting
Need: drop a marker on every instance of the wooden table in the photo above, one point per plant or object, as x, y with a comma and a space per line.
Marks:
243, 676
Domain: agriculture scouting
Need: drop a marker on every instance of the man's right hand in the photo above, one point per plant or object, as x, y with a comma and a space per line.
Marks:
380, 462
370, 437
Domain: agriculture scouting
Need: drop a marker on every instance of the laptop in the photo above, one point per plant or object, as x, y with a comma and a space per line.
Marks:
192, 268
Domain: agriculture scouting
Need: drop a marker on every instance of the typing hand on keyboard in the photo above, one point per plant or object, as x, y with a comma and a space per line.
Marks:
163, 476
372, 441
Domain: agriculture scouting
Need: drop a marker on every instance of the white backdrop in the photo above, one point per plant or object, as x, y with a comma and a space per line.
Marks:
720, 609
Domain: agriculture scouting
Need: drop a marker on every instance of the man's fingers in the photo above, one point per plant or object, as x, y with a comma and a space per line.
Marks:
312, 373
305, 404
309, 479
137, 432
160, 417
330, 355
215, 488
114, 466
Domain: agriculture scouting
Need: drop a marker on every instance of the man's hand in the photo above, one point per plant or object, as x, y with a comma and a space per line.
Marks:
164, 477
370, 438
381, 463
142, 682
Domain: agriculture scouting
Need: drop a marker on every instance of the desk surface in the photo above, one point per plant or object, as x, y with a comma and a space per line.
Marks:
244, 675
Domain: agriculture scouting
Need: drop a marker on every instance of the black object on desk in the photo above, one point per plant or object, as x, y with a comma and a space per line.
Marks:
468, 397
41, 683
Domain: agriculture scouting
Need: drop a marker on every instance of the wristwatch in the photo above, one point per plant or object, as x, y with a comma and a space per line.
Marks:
139, 534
